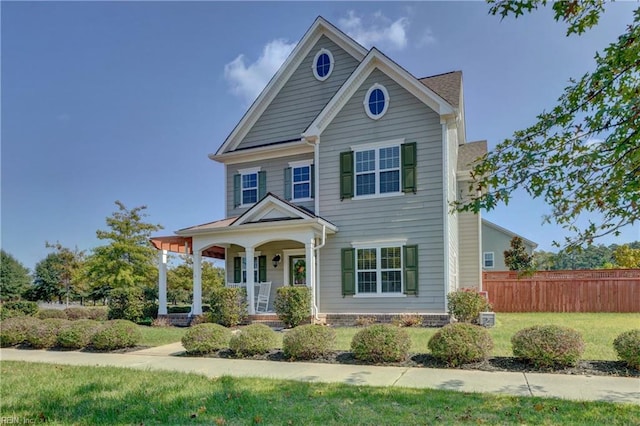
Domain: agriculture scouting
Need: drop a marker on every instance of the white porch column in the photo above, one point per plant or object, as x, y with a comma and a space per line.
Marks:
162, 282
197, 283
249, 253
310, 262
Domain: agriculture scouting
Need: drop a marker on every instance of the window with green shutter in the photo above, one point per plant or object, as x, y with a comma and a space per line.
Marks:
348, 271
409, 161
346, 175
411, 270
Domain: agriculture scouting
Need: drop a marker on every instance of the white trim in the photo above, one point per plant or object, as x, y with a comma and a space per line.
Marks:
377, 171
264, 204
374, 196
265, 152
249, 171
287, 254
377, 145
319, 28
378, 270
445, 214
379, 243
300, 163
314, 66
378, 295
484, 260
375, 59
385, 107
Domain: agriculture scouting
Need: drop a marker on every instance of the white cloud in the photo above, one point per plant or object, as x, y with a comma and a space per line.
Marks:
247, 81
427, 38
381, 31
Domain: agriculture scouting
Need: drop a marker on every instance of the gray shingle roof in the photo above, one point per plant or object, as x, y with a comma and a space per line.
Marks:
447, 86
468, 153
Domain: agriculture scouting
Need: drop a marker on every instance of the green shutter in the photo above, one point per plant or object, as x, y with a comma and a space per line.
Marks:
262, 269
312, 191
346, 175
411, 270
287, 183
236, 191
237, 269
348, 271
409, 162
262, 185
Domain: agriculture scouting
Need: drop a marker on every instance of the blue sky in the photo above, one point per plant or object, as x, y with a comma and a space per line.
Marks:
123, 101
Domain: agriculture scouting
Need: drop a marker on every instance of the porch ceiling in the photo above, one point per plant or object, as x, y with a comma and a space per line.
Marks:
184, 245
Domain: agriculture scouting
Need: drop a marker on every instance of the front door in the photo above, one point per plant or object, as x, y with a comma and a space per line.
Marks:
297, 270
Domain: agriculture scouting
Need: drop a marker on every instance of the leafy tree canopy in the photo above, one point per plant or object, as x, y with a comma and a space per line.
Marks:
591, 257
180, 280
582, 156
128, 259
58, 274
517, 258
14, 277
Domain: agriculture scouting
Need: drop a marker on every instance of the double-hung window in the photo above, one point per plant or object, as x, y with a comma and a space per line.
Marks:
244, 269
298, 181
488, 259
378, 171
249, 186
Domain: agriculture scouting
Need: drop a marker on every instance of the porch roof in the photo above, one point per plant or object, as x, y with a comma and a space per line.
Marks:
184, 245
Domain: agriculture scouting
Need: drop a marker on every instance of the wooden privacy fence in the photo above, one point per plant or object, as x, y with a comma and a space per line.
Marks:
602, 290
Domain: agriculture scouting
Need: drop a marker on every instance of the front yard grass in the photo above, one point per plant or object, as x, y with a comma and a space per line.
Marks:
34, 393
598, 330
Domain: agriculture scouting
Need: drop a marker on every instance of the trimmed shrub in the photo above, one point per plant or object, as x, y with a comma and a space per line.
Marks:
627, 346
229, 306
75, 313
308, 342
381, 343
150, 310
13, 331
407, 320
43, 334
548, 345
24, 306
98, 314
201, 319
9, 313
179, 309
78, 334
51, 313
253, 339
461, 343
206, 338
126, 303
116, 334
466, 305
293, 305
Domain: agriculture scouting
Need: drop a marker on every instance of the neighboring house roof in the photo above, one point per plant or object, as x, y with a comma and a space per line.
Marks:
469, 152
511, 234
448, 85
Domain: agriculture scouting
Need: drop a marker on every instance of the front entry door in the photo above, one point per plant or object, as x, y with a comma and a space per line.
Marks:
297, 270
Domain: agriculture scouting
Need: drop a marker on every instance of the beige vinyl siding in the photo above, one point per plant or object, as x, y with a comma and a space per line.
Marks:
275, 179
417, 218
301, 98
470, 255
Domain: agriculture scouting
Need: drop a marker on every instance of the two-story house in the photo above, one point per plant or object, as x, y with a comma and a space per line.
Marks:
340, 177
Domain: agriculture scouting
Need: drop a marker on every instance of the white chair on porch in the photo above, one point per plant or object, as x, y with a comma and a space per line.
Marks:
262, 301
235, 285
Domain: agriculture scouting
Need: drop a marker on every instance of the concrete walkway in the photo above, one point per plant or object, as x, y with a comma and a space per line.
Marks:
590, 388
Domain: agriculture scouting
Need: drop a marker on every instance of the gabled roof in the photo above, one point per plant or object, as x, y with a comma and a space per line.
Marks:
319, 28
469, 152
377, 60
447, 85
223, 223
505, 231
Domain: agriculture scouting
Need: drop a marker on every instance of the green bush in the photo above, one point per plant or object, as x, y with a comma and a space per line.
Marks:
9, 313
51, 313
461, 343
98, 314
179, 309
78, 334
253, 339
43, 334
548, 345
381, 343
126, 303
229, 306
24, 306
13, 331
150, 310
116, 334
75, 313
308, 341
205, 338
293, 305
466, 305
627, 346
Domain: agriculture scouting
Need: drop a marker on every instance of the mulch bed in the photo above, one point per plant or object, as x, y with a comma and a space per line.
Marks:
512, 364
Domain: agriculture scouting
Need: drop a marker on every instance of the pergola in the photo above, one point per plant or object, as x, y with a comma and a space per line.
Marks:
180, 245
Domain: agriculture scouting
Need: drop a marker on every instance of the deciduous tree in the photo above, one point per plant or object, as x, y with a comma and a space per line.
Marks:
582, 157
14, 277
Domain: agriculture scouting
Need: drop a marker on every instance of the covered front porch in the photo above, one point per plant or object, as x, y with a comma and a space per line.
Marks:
273, 244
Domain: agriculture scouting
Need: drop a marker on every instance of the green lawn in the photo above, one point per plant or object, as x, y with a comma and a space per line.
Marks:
35, 392
598, 331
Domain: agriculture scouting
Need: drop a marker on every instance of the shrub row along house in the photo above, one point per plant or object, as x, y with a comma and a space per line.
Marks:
340, 177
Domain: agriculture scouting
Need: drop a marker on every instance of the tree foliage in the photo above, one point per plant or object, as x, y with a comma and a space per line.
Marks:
582, 156
58, 275
128, 259
626, 257
14, 277
591, 257
180, 280
517, 258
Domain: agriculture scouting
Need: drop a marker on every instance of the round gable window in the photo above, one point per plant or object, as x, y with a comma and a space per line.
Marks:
376, 101
322, 64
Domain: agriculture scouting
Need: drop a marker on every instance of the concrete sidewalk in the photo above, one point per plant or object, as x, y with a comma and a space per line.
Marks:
589, 388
